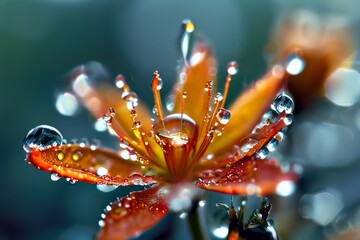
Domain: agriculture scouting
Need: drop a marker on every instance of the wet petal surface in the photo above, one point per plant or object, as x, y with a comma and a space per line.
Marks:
99, 166
250, 176
131, 215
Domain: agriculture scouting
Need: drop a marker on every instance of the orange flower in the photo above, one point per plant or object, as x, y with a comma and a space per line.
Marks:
193, 142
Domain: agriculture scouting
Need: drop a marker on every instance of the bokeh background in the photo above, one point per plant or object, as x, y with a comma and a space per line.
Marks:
42, 41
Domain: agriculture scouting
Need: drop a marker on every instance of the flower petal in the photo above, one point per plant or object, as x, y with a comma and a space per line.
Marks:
131, 215
248, 177
193, 79
98, 98
99, 166
247, 110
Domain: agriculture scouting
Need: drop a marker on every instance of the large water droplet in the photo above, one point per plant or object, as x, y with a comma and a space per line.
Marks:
131, 100
223, 116
284, 103
288, 119
271, 115
232, 68
42, 136
66, 104
106, 188
294, 64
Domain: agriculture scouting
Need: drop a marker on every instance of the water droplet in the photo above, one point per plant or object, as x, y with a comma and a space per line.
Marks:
120, 81
285, 188
54, 177
202, 203
188, 25
106, 188
272, 145
221, 231
262, 153
232, 68
42, 136
249, 144
111, 112
136, 125
223, 116
101, 171
184, 95
66, 104
72, 181
279, 136
284, 103
76, 155
133, 113
294, 64
131, 101
107, 119
60, 155
218, 97
288, 119
271, 115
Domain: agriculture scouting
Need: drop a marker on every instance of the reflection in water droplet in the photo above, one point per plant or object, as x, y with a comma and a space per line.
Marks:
283, 103
271, 115
42, 136
136, 124
54, 177
223, 116
66, 104
101, 171
232, 68
294, 64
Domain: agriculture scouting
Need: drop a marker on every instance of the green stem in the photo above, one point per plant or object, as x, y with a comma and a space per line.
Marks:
194, 224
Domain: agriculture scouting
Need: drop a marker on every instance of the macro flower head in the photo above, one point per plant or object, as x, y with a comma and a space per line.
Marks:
194, 142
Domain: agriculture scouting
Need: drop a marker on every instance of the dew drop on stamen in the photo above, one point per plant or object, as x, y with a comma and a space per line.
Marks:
120, 81
223, 116
294, 64
101, 223
284, 103
136, 125
232, 68
42, 136
131, 101
270, 114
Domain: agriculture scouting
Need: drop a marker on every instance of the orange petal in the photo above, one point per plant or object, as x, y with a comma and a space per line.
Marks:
99, 166
98, 98
248, 177
193, 80
250, 144
132, 215
247, 110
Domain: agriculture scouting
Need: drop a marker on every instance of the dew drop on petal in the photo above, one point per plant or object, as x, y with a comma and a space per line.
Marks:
284, 103
106, 188
262, 153
42, 136
294, 64
120, 81
66, 104
54, 177
232, 68
101, 171
223, 116
101, 223
272, 145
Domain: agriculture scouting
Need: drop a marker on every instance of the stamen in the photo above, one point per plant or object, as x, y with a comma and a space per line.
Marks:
156, 86
232, 69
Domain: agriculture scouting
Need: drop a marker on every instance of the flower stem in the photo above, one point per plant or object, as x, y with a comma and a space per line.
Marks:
194, 224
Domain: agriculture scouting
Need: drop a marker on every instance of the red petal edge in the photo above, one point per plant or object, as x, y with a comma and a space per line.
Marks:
83, 163
132, 215
250, 176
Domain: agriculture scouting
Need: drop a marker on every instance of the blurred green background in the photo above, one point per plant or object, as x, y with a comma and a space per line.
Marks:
42, 41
